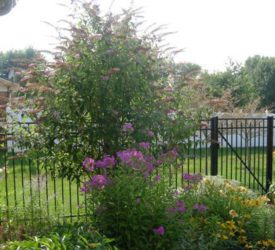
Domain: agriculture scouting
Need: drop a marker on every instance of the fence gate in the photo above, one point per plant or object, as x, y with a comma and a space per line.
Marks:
241, 149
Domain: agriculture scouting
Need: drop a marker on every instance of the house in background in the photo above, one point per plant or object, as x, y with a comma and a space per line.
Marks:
6, 90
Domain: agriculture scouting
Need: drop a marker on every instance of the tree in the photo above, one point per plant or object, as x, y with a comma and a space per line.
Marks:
13, 63
105, 75
233, 80
260, 71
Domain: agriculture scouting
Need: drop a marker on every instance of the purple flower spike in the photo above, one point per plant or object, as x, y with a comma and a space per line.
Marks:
89, 164
159, 230
127, 127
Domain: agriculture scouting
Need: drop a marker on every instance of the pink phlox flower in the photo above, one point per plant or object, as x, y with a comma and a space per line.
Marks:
159, 230
201, 208
172, 210
192, 178
85, 188
157, 178
150, 133
105, 78
169, 156
131, 157
144, 145
106, 162
89, 164
127, 127
180, 207
99, 181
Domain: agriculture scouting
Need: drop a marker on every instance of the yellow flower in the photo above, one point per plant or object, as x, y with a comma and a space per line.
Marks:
248, 247
224, 237
231, 225
267, 243
247, 216
242, 231
233, 213
243, 189
264, 198
243, 240
222, 193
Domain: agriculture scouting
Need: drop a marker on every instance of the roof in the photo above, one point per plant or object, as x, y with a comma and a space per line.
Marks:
8, 84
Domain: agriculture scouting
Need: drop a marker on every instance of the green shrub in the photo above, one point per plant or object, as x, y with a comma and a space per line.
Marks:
131, 208
24, 221
75, 236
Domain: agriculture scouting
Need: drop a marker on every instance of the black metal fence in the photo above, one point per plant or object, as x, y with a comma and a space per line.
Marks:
237, 148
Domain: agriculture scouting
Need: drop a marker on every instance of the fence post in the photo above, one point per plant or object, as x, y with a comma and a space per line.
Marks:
214, 145
269, 151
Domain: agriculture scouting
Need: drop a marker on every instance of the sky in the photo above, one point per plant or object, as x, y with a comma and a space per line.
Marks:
210, 31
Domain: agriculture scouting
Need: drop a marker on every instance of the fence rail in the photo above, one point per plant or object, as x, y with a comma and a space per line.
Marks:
237, 148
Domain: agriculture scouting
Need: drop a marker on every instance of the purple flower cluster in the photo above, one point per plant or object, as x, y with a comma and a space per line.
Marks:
135, 159
99, 181
131, 157
180, 207
169, 156
157, 178
96, 182
149, 133
106, 162
192, 178
159, 230
127, 127
200, 208
85, 188
144, 145
89, 164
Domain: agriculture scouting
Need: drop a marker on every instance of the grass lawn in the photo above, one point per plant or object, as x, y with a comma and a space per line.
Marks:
26, 183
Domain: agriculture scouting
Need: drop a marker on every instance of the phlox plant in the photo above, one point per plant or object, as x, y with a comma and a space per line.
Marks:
132, 202
129, 200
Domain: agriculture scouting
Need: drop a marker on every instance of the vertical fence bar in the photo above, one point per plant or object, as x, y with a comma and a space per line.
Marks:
269, 151
214, 145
